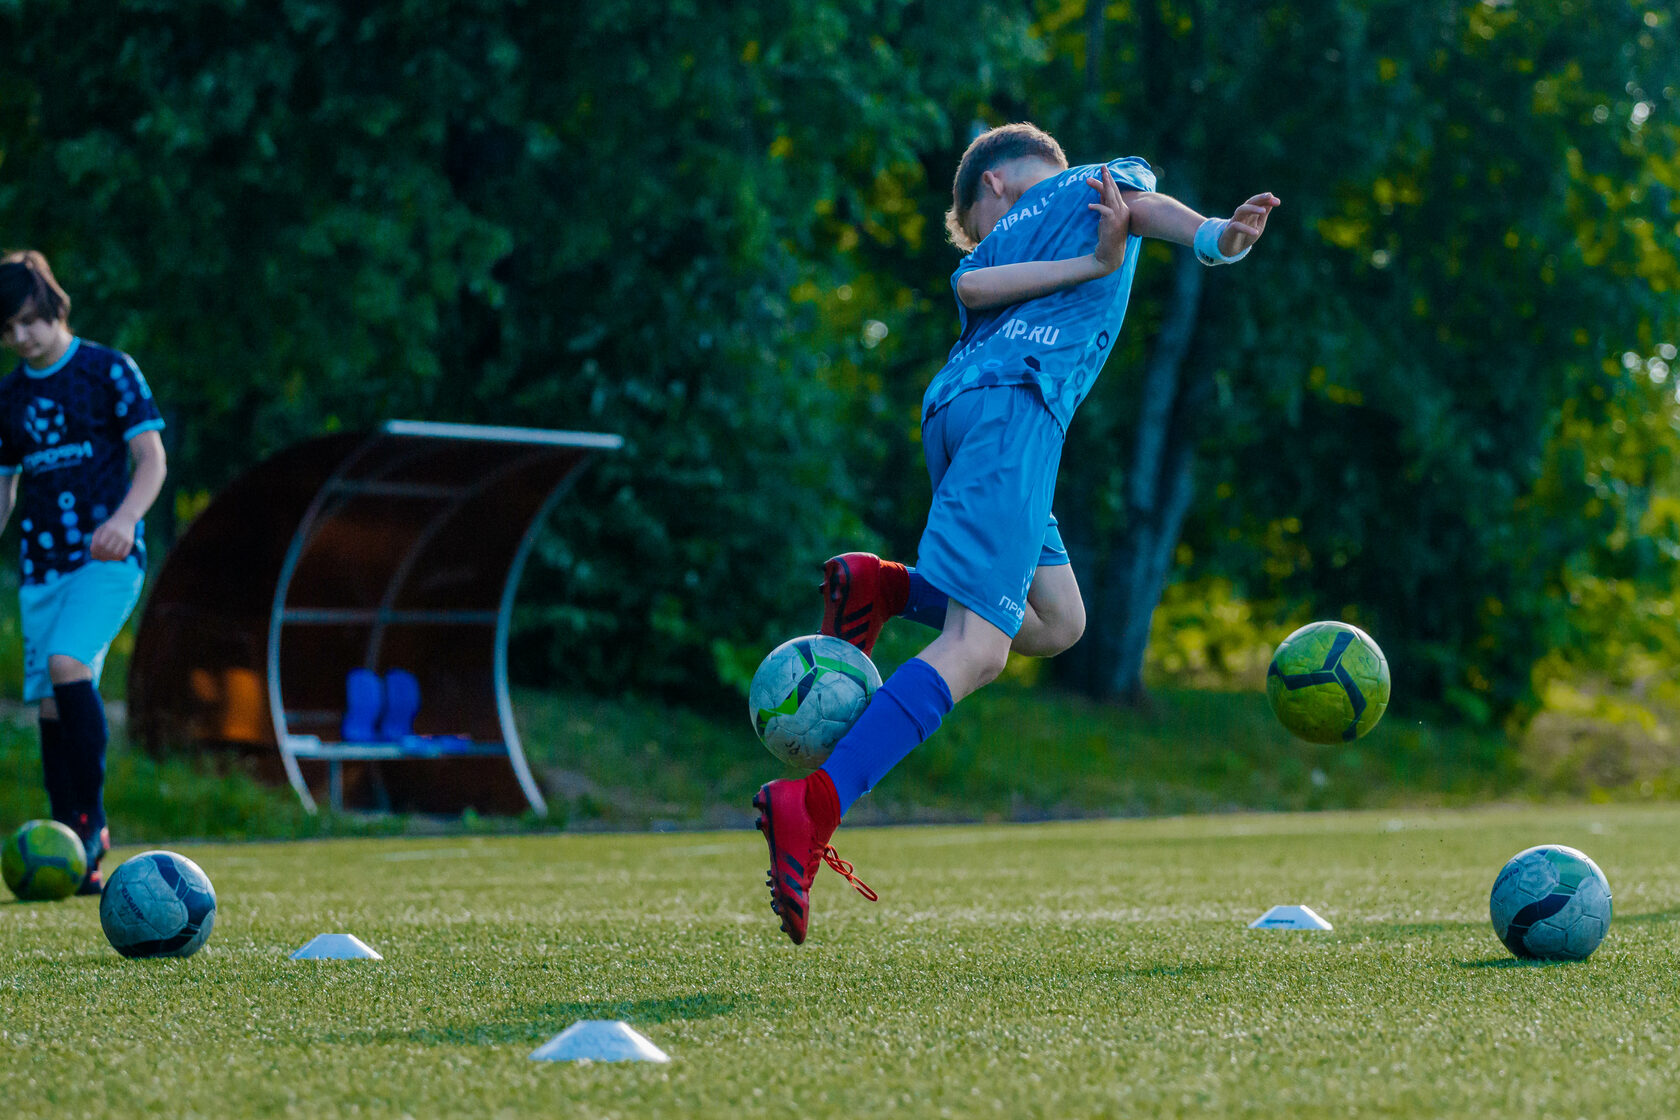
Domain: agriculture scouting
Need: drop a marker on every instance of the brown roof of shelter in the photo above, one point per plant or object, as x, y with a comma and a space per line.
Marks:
399, 548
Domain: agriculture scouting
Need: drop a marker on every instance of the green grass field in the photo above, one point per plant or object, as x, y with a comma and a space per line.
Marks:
1072, 969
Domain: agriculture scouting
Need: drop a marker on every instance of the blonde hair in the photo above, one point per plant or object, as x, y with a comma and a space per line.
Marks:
991, 149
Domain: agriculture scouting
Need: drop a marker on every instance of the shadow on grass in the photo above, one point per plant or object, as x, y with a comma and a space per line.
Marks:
538, 1022
1654, 916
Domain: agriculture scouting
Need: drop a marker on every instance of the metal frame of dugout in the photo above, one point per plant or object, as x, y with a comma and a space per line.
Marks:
399, 548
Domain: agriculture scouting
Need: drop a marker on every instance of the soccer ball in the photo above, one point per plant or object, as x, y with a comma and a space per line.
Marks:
44, 860
1328, 682
158, 904
1551, 903
807, 694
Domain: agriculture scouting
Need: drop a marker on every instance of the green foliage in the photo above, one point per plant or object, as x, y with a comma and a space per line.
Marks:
714, 227
1468, 246
1409, 400
307, 217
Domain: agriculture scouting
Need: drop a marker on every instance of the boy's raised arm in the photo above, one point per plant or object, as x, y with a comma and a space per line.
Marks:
1165, 218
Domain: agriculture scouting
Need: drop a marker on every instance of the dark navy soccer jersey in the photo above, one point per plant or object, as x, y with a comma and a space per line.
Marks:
66, 429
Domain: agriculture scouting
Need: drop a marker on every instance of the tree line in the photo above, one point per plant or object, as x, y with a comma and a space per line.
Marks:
1436, 402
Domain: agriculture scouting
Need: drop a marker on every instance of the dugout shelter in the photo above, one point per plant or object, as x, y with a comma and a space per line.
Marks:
399, 548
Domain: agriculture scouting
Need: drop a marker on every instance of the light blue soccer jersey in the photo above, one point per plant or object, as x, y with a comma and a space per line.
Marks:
1058, 342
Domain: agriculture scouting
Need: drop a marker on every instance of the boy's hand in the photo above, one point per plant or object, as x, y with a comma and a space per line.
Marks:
113, 540
1247, 224
1114, 221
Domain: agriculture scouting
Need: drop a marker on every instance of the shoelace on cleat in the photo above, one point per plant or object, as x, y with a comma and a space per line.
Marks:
844, 870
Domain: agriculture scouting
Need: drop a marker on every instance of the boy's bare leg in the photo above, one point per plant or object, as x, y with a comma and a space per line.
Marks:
1055, 616
969, 652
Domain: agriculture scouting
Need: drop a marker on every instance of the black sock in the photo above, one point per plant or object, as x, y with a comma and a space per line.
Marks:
81, 715
55, 771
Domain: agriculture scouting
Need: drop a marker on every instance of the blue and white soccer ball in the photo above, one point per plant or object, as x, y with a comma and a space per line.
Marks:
1551, 903
158, 904
807, 694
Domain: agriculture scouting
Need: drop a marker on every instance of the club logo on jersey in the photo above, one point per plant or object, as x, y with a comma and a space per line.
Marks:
1020, 328
43, 419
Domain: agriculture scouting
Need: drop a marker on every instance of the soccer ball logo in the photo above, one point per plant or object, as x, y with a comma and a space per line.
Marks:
807, 694
1551, 903
43, 419
158, 904
1328, 682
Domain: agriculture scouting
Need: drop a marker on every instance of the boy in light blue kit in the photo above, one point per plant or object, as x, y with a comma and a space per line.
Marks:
72, 416
1041, 296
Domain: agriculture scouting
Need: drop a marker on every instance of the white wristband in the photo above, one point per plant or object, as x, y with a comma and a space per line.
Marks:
1207, 243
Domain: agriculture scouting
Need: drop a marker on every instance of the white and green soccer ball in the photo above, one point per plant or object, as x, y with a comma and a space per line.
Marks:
807, 694
1551, 903
1328, 682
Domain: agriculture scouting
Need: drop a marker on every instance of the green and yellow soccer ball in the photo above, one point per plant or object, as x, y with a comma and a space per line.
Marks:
1328, 682
43, 860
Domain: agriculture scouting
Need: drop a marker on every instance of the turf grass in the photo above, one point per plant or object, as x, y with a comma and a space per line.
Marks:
1069, 969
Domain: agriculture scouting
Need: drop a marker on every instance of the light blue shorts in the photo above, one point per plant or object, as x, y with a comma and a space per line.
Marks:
992, 454
76, 615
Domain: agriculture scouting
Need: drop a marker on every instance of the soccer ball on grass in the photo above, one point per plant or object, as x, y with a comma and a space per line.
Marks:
44, 860
158, 904
807, 694
1550, 903
1328, 682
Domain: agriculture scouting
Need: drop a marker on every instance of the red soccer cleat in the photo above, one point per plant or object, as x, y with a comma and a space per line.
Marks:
860, 592
799, 845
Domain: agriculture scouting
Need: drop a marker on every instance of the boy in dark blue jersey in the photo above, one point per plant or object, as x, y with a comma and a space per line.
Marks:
72, 416
1041, 296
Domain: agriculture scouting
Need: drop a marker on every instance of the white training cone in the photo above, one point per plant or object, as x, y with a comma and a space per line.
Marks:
336, 947
1289, 917
599, 1040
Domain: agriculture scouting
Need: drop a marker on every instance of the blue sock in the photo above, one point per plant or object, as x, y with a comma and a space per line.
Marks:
904, 712
926, 604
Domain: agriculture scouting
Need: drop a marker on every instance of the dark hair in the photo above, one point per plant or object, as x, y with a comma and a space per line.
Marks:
989, 150
26, 277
